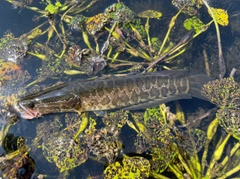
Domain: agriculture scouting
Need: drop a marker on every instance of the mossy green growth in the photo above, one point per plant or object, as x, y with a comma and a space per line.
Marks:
53, 9
150, 14
156, 43
58, 145
77, 22
229, 121
119, 12
220, 15
5, 39
195, 23
225, 93
136, 23
152, 113
64, 152
161, 158
131, 167
189, 7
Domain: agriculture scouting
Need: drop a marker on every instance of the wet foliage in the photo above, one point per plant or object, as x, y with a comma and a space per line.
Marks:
13, 49
225, 94
189, 7
79, 39
132, 167
16, 162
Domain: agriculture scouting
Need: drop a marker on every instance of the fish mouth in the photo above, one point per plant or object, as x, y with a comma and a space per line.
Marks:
27, 113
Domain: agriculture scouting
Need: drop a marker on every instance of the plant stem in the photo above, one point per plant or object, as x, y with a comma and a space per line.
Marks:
217, 155
185, 165
212, 129
221, 62
157, 175
147, 32
231, 172
176, 171
171, 24
234, 149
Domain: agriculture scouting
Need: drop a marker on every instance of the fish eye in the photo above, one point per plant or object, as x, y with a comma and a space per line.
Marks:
30, 104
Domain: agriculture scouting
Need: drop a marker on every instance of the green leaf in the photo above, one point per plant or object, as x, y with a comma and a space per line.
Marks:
150, 14
194, 22
58, 4
221, 16
51, 9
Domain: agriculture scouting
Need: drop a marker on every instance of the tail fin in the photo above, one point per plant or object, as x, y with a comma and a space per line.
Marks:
196, 83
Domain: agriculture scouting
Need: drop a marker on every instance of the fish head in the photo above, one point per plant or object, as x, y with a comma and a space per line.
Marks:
27, 109
30, 108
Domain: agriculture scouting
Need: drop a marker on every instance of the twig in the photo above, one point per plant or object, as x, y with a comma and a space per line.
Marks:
233, 72
208, 113
205, 57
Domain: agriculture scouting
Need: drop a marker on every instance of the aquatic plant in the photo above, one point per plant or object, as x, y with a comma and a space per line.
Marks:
104, 144
229, 121
13, 49
131, 167
16, 162
189, 7
118, 20
195, 23
225, 94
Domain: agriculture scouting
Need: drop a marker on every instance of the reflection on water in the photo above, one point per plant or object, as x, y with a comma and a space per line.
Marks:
49, 43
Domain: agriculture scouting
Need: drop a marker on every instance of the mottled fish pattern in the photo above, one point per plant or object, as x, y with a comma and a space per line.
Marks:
134, 91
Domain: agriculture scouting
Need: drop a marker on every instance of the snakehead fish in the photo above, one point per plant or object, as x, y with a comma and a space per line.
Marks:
132, 92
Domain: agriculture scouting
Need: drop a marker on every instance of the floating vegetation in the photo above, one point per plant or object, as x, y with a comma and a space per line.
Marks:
118, 12
131, 167
13, 49
64, 152
221, 16
92, 64
16, 163
189, 7
104, 144
229, 120
95, 24
195, 23
225, 94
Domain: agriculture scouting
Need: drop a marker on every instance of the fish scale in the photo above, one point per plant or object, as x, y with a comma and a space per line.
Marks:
132, 92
